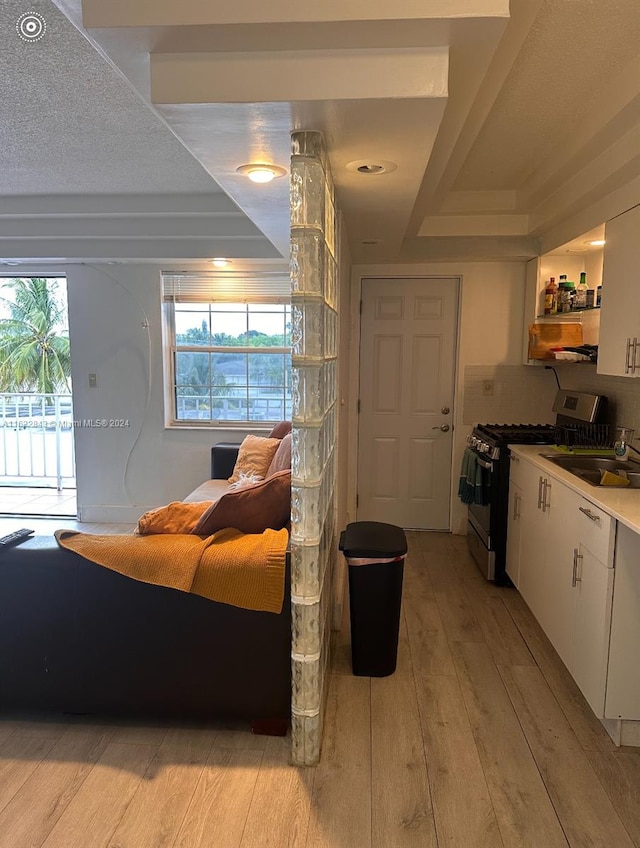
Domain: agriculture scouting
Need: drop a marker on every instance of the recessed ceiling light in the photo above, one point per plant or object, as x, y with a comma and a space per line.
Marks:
597, 242
371, 167
258, 172
219, 262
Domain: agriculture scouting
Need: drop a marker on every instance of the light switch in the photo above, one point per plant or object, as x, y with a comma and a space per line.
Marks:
93, 381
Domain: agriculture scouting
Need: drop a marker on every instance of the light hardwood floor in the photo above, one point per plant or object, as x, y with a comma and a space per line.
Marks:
480, 738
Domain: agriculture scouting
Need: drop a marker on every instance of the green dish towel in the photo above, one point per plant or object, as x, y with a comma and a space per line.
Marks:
473, 486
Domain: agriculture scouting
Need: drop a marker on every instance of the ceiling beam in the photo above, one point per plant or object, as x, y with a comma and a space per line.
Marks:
141, 13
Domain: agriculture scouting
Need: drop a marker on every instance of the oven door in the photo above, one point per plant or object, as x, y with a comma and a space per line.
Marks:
482, 523
483, 515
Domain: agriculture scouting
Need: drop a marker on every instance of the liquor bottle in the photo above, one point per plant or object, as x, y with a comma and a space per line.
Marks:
551, 297
580, 301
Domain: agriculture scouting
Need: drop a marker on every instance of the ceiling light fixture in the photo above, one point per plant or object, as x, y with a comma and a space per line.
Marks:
220, 262
371, 167
259, 172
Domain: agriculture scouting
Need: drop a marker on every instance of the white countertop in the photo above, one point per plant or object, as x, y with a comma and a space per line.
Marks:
622, 504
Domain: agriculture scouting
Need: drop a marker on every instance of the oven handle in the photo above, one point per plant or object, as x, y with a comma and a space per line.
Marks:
483, 464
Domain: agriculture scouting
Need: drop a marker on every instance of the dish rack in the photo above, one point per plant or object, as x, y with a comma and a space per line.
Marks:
586, 437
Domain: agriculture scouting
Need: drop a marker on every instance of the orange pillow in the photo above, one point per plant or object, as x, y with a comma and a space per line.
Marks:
253, 509
254, 457
176, 517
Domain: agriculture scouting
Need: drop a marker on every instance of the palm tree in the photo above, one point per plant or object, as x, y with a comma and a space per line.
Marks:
34, 354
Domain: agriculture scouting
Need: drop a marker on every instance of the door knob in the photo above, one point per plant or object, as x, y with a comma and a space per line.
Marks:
443, 427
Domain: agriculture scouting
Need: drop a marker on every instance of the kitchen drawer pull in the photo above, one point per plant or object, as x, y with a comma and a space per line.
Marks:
589, 514
574, 578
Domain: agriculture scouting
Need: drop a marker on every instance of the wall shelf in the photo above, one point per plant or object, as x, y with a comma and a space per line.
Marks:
561, 315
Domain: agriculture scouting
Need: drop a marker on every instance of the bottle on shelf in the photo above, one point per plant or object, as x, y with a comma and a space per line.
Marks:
551, 297
580, 299
566, 294
598, 295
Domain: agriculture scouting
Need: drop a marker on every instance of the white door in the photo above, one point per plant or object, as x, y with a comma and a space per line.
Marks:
407, 359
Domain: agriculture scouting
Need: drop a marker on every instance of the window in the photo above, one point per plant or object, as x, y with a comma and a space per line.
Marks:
229, 361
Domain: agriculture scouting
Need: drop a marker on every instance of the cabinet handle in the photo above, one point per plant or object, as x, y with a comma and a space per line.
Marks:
546, 504
574, 578
515, 458
634, 366
627, 362
540, 492
589, 514
516, 506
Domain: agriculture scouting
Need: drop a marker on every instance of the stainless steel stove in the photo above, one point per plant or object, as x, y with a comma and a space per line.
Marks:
487, 518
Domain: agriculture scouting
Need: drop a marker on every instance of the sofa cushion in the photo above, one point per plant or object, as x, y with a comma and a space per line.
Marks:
210, 491
282, 458
254, 509
176, 517
254, 456
280, 430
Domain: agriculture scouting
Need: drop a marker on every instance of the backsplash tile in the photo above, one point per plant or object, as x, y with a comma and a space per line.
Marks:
525, 393
521, 394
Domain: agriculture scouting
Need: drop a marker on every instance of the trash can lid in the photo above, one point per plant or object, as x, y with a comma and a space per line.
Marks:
373, 539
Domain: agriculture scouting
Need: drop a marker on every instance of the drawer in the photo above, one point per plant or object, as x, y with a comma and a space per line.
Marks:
596, 529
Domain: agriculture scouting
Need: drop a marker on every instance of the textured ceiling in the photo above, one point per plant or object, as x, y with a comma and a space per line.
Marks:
69, 124
573, 47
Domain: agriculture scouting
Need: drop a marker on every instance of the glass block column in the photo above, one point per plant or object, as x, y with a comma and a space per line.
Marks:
314, 321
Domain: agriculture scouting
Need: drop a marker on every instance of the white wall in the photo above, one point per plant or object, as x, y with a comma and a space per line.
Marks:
490, 334
123, 471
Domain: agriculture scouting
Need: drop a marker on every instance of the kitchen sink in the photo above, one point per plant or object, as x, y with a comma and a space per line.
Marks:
590, 468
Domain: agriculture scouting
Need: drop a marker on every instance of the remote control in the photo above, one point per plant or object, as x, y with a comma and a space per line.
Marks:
15, 538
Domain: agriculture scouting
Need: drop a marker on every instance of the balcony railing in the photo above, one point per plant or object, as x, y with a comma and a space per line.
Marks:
36, 440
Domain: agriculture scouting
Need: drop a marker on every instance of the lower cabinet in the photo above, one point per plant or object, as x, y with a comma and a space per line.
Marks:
623, 687
560, 557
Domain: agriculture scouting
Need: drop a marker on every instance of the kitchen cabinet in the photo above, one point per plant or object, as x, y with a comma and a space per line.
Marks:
559, 548
538, 272
623, 688
514, 532
619, 350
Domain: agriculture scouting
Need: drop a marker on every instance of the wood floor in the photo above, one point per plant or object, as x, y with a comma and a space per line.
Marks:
480, 740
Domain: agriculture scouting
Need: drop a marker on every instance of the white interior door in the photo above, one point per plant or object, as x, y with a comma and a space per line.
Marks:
407, 359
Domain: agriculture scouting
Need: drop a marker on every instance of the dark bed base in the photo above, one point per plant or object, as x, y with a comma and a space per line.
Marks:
78, 638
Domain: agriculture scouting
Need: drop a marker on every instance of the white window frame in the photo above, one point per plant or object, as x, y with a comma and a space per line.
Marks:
210, 289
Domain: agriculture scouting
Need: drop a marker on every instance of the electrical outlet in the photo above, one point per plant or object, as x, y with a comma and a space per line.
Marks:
93, 381
487, 387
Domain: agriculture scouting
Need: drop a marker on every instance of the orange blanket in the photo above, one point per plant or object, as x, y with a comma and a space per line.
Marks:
230, 567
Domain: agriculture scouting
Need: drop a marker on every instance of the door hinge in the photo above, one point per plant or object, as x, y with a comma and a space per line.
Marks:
357, 501
361, 307
358, 406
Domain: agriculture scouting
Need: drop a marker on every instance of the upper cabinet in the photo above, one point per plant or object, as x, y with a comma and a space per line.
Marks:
619, 351
579, 326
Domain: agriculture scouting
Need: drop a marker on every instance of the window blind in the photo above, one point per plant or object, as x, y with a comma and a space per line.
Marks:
226, 287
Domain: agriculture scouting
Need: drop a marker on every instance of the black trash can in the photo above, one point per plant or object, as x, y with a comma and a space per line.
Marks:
375, 555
